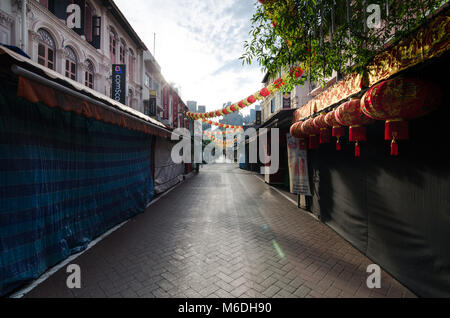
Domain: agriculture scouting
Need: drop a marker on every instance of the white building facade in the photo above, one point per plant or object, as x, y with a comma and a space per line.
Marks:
80, 39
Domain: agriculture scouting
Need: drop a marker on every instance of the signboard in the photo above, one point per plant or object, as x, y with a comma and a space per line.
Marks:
118, 82
298, 165
258, 117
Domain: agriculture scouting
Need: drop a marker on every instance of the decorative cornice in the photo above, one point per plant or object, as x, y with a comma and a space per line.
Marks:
5, 18
105, 66
34, 35
83, 65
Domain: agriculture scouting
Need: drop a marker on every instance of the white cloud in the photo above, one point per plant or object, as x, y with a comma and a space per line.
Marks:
198, 43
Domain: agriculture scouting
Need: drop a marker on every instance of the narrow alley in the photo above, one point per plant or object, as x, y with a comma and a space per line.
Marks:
222, 233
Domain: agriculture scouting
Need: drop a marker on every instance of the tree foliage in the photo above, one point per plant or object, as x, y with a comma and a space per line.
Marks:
326, 36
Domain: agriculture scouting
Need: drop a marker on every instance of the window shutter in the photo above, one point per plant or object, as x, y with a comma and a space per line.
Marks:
58, 8
96, 30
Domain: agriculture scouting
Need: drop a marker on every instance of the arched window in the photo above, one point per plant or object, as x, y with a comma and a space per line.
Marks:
112, 45
46, 49
131, 65
71, 63
89, 76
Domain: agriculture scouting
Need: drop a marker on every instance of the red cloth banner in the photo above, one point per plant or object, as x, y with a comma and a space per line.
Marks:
165, 103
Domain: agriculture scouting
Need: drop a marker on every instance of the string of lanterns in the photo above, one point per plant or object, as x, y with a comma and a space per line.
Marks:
277, 85
210, 122
224, 132
223, 143
395, 101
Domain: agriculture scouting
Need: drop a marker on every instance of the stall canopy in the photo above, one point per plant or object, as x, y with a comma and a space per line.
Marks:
73, 164
390, 206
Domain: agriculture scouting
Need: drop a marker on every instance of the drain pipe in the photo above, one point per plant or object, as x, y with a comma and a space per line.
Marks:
24, 26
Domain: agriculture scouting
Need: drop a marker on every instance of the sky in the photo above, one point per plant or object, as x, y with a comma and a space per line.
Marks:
198, 45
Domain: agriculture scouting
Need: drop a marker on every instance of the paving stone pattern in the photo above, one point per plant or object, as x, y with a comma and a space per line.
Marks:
222, 233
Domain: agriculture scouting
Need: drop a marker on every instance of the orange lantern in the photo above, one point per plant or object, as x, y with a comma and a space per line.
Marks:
320, 124
350, 114
337, 130
399, 99
310, 130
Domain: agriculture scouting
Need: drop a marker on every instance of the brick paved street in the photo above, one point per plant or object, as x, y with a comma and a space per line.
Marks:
222, 233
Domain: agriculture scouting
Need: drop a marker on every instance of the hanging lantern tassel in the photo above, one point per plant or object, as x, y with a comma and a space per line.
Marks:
338, 144
325, 136
357, 149
314, 142
394, 147
338, 132
394, 130
357, 133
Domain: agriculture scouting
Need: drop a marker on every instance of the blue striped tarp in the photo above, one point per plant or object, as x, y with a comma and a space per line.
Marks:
64, 180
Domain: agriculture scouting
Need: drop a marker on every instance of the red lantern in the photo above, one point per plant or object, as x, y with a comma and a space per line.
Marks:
278, 83
264, 92
320, 124
337, 130
310, 130
397, 100
251, 99
297, 71
296, 131
350, 114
